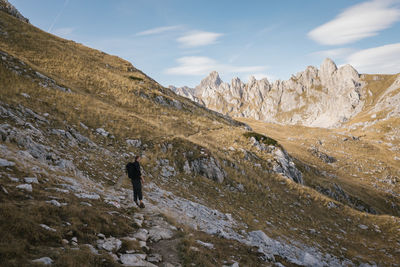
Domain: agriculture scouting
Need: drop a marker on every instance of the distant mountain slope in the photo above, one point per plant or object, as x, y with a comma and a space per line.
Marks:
324, 97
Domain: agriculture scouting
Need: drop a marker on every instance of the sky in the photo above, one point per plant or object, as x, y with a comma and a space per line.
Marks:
179, 42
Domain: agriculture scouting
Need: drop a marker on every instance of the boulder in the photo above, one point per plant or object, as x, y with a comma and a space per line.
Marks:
286, 166
208, 167
109, 244
141, 234
135, 260
158, 233
6, 163
44, 261
26, 187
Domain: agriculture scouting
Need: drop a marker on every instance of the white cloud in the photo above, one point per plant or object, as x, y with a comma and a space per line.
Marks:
158, 30
63, 32
201, 66
199, 38
334, 53
382, 59
357, 22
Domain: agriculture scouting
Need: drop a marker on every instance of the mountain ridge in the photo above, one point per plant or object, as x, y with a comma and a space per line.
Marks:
324, 97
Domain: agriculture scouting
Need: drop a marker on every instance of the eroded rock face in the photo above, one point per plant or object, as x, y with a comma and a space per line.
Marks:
208, 167
286, 166
323, 98
10, 9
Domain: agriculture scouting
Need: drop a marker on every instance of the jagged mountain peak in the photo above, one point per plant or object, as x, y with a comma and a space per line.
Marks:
212, 80
328, 66
324, 97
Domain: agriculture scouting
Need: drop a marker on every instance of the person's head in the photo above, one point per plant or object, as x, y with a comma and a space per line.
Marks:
137, 158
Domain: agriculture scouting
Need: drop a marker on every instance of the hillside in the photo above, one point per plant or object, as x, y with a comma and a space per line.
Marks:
217, 192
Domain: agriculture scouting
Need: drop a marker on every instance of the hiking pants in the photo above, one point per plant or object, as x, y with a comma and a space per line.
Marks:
137, 189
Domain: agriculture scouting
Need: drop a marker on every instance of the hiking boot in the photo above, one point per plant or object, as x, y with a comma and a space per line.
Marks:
141, 205
137, 203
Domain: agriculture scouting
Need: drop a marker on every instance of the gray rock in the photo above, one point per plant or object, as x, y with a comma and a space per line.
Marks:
286, 166
102, 132
6, 163
240, 187
31, 180
322, 156
92, 249
208, 167
4, 190
186, 167
88, 196
109, 244
44, 261
135, 260
141, 234
154, 258
48, 228
205, 244
86, 204
167, 171
134, 142
100, 235
161, 100
26, 187
54, 202
362, 226
10, 9
113, 256
158, 233
143, 246
83, 126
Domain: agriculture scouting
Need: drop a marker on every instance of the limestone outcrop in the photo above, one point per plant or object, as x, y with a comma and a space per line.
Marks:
324, 97
10, 9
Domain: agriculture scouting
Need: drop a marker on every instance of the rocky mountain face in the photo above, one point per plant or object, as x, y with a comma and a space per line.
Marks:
324, 97
10, 9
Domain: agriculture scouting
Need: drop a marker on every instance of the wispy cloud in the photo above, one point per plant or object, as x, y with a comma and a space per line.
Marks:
159, 30
199, 38
63, 32
200, 66
357, 22
383, 59
337, 53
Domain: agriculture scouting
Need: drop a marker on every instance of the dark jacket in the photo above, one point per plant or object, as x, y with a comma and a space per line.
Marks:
133, 170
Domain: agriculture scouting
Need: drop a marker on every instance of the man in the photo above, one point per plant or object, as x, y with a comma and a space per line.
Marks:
134, 173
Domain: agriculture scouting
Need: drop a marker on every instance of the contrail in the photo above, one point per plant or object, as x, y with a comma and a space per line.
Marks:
58, 15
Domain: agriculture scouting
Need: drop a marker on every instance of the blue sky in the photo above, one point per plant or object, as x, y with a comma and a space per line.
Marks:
180, 42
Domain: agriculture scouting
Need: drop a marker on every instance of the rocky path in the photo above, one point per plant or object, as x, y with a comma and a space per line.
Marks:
162, 236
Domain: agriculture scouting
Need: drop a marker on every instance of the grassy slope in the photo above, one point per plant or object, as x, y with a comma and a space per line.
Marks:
104, 96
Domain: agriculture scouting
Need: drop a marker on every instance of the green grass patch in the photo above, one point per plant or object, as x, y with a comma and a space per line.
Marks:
134, 78
262, 138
